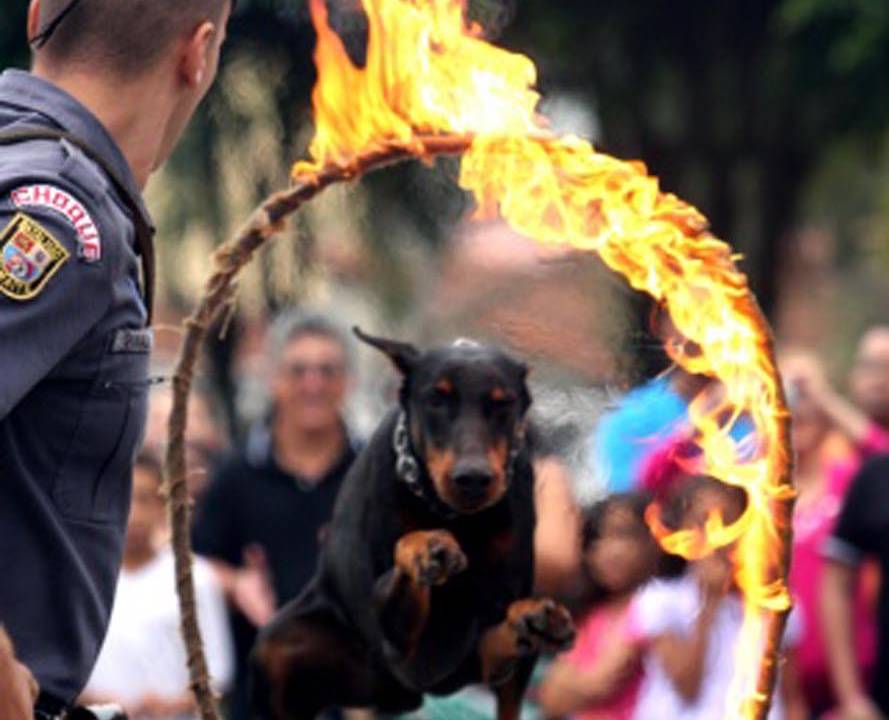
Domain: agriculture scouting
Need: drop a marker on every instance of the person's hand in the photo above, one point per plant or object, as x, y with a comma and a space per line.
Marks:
252, 593
805, 376
859, 707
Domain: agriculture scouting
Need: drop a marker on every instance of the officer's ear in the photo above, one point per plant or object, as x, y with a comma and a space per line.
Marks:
33, 19
196, 55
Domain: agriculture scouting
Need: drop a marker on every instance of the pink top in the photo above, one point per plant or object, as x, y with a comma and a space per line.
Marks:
598, 630
812, 524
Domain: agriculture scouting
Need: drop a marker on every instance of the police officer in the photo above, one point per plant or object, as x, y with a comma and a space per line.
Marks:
113, 85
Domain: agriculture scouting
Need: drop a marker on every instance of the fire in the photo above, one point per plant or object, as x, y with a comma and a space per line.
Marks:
429, 74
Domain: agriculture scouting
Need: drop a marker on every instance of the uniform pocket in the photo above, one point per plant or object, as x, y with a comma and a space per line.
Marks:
94, 479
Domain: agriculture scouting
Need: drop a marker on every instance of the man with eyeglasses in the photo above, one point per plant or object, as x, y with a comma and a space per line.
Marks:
263, 518
112, 87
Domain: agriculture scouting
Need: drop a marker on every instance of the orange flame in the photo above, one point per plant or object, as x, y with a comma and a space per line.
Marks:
429, 73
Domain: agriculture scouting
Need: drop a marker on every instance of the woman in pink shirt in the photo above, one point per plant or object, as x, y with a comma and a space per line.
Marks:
822, 481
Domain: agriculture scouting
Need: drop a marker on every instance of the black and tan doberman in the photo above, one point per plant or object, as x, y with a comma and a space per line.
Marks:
425, 579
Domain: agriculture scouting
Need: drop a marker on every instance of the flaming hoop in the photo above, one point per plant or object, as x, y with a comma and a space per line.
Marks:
432, 86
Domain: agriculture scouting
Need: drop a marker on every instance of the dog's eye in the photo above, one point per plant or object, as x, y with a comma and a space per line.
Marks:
441, 394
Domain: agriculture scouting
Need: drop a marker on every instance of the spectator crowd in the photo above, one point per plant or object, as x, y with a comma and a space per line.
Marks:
656, 634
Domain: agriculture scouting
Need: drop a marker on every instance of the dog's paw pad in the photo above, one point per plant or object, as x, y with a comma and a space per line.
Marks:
541, 625
431, 558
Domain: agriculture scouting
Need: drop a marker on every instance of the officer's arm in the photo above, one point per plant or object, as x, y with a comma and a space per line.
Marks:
50, 298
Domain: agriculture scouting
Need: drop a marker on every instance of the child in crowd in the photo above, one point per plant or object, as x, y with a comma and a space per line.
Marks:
599, 679
687, 628
141, 666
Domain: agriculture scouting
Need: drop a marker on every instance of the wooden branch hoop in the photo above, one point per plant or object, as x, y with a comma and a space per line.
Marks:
227, 262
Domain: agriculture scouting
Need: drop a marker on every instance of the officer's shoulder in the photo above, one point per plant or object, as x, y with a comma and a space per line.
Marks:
56, 158
60, 188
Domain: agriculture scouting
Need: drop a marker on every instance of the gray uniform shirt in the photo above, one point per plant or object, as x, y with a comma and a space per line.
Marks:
73, 381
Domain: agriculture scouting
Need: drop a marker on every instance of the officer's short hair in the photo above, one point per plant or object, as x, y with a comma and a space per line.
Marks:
292, 325
126, 35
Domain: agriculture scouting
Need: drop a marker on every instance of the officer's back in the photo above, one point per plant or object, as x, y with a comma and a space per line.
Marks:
112, 87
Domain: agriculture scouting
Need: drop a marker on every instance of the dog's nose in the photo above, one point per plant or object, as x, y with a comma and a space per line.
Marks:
473, 481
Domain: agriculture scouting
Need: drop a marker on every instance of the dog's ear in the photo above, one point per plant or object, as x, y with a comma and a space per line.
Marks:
525, 395
403, 355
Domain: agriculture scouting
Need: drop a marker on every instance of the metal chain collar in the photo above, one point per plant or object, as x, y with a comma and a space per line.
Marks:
408, 469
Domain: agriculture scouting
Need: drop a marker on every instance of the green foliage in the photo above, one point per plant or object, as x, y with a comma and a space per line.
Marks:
13, 43
735, 104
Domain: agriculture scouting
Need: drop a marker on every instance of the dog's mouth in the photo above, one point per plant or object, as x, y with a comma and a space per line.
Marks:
468, 503
466, 485
468, 498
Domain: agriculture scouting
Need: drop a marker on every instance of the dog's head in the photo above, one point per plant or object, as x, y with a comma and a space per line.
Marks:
466, 406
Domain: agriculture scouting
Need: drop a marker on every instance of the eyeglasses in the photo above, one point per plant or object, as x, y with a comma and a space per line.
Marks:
326, 371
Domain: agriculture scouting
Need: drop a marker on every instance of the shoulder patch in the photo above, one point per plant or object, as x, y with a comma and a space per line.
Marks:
89, 244
29, 257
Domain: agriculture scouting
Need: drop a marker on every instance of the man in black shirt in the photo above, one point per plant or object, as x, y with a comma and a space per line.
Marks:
862, 531
264, 516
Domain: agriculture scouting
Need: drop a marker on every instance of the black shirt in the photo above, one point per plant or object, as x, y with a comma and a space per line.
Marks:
863, 530
73, 379
252, 501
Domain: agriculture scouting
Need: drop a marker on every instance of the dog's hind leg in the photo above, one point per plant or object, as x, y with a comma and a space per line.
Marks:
510, 693
402, 595
307, 660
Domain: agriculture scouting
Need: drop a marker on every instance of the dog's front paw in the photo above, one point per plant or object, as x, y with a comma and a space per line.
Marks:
541, 625
429, 557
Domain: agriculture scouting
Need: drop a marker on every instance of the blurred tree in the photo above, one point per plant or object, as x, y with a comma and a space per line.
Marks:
13, 47
732, 103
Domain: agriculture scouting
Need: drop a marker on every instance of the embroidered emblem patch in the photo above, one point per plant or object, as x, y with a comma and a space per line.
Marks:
29, 257
89, 244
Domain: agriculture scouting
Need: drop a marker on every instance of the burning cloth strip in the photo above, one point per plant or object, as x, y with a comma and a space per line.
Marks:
431, 85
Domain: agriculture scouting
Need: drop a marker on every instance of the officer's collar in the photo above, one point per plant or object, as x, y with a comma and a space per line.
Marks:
23, 90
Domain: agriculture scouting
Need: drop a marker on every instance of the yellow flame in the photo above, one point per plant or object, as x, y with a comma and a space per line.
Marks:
429, 72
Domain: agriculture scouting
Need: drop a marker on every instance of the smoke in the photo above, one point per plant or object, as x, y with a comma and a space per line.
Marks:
348, 20
493, 15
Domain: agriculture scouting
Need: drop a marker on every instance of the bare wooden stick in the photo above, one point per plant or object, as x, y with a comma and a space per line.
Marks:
227, 263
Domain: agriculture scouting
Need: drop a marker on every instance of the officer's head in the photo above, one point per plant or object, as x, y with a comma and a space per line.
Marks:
168, 47
309, 376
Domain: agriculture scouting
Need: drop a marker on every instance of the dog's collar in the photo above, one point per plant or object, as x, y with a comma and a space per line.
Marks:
407, 468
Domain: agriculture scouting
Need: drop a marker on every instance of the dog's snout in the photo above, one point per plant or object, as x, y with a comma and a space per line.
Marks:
473, 480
